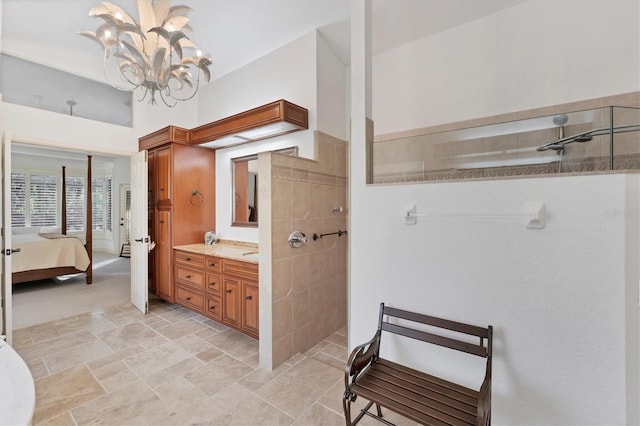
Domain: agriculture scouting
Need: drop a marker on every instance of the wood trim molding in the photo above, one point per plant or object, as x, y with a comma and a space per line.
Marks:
169, 134
275, 112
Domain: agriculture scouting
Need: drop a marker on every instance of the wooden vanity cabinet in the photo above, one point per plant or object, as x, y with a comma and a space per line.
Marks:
224, 290
181, 202
242, 279
189, 280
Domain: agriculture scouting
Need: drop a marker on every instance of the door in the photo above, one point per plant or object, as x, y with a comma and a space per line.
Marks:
6, 290
139, 232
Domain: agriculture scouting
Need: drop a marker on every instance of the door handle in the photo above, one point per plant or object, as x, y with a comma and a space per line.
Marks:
7, 252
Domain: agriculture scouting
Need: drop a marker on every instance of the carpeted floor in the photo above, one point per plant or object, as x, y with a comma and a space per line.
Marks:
42, 301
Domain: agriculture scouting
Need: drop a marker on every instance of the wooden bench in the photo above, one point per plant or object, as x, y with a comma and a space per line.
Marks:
421, 397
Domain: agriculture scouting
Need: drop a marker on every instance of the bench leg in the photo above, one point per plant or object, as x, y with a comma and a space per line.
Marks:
379, 410
346, 405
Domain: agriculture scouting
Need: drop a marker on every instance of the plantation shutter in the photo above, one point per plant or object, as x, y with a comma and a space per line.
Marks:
18, 200
75, 203
109, 202
97, 203
43, 191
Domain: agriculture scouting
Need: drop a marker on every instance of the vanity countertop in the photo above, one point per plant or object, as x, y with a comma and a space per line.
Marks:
244, 252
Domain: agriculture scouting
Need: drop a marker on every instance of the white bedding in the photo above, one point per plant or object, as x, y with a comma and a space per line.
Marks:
37, 252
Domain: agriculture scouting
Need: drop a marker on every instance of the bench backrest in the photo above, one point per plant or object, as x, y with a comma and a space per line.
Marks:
485, 335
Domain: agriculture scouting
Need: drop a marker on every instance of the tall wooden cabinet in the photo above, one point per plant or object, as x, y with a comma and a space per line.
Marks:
181, 200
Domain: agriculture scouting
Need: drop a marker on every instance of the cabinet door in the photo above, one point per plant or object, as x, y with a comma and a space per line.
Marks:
163, 251
163, 174
231, 302
250, 304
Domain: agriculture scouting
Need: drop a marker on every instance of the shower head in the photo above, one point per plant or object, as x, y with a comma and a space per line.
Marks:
553, 146
583, 138
560, 119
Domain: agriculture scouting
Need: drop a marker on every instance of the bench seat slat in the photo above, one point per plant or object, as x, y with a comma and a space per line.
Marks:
472, 394
420, 413
427, 399
424, 392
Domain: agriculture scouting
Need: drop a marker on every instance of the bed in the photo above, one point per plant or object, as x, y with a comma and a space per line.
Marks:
45, 255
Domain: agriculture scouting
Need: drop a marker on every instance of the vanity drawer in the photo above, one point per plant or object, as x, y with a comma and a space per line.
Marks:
187, 258
240, 269
213, 308
190, 299
213, 283
214, 264
190, 277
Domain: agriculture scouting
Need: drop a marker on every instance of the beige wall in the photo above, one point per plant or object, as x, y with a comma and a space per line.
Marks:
308, 284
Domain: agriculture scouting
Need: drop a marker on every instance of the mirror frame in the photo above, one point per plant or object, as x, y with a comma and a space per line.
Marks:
293, 151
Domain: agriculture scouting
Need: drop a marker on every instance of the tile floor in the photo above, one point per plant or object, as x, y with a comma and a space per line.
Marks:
175, 367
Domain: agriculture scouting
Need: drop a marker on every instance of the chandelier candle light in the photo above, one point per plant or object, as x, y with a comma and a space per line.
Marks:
150, 56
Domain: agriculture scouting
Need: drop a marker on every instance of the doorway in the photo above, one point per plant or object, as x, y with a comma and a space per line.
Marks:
34, 302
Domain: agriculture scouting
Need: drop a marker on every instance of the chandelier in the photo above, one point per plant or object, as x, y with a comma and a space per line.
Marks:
154, 56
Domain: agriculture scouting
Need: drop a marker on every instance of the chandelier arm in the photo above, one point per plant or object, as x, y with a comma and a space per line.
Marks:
165, 101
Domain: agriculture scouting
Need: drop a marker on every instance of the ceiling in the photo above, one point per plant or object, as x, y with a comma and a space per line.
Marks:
236, 32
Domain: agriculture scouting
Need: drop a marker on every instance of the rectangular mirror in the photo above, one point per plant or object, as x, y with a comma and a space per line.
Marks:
245, 191
244, 187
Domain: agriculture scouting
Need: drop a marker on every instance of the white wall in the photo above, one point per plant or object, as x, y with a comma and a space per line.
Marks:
291, 73
563, 299
537, 53
332, 87
286, 73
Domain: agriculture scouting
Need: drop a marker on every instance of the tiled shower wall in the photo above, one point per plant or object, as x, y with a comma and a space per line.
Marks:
308, 284
436, 154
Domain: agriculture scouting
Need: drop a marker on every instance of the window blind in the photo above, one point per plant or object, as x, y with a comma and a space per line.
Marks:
109, 203
97, 203
43, 197
18, 200
75, 203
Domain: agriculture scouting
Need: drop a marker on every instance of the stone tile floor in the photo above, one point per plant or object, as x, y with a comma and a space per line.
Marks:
175, 367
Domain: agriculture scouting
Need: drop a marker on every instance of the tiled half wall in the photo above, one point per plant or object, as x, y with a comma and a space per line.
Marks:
308, 284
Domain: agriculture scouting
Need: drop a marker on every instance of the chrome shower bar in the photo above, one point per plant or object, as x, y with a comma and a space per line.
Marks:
339, 233
587, 136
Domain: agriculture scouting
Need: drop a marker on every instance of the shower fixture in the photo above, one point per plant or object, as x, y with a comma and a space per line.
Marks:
560, 120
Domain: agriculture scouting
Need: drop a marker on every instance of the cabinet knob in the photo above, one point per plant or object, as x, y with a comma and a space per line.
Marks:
249, 297
187, 298
212, 264
212, 284
188, 259
212, 308
228, 291
187, 276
